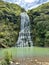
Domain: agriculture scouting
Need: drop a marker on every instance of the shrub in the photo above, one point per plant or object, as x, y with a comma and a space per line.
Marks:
7, 58
3, 62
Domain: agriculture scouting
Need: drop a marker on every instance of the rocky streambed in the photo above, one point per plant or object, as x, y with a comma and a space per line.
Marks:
31, 61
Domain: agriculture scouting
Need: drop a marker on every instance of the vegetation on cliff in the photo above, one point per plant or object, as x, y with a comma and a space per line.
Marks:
9, 23
39, 18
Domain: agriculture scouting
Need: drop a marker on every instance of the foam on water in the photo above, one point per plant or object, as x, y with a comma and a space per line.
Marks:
24, 38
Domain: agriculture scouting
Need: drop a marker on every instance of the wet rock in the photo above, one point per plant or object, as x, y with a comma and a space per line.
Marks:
11, 62
28, 58
17, 63
36, 60
39, 63
31, 60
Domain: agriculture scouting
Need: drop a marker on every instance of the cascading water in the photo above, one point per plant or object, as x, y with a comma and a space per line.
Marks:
24, 38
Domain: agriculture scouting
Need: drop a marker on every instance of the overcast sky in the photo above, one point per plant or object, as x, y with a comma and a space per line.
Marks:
29, 1
27, 4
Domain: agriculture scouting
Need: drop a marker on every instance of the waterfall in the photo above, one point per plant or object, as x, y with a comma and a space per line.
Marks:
24, 38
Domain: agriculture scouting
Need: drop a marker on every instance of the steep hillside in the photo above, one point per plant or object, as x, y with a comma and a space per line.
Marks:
9, 23
39, 18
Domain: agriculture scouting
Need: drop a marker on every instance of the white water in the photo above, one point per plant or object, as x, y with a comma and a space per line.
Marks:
24, 38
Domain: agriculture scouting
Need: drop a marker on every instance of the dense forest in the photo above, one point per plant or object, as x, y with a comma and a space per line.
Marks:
10, 24
39, 18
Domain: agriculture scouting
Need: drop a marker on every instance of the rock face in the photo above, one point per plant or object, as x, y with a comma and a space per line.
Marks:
24, 38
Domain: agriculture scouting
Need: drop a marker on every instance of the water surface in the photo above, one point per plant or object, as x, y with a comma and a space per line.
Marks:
26, 51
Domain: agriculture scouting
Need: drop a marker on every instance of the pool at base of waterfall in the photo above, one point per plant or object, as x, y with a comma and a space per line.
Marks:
22, 52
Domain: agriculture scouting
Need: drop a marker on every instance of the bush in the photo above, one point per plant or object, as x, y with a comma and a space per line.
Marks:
3, 62
7, 58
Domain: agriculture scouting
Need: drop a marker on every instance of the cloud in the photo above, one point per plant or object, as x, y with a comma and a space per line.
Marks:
28, 4
29, 1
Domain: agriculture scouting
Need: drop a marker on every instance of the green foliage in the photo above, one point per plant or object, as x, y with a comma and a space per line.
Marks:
39, 19
7, 58
9, 33
3, 62
9, 23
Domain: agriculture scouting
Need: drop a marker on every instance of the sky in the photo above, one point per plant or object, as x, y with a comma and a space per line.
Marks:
29, 1
28, 4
